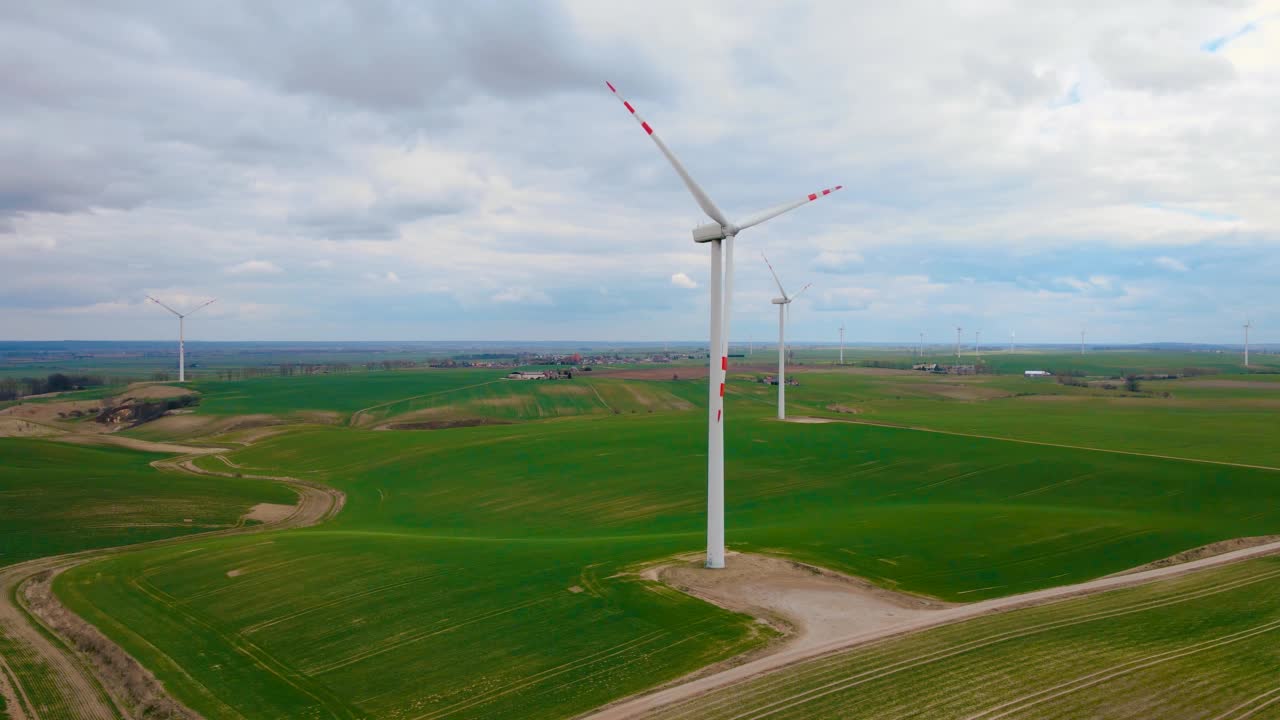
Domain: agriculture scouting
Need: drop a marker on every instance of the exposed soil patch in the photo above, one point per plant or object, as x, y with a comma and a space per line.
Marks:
808, 604
55, 412
17, 427
847, 409
153, 391
443, 424
269, 512
803, 420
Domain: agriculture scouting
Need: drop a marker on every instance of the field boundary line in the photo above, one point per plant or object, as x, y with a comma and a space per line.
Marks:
979, 436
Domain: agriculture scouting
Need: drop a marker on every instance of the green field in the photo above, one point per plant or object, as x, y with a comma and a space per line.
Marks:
57, 498
468, 544
1205, 645
490, 571
1212, 419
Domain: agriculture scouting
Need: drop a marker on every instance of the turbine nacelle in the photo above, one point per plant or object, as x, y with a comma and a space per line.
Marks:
713, 231
780, 301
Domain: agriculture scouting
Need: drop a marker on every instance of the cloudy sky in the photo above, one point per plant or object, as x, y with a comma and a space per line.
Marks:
445, 170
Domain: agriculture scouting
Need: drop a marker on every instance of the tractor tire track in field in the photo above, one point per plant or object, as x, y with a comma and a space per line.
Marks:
643, 704
1254, 701
881, 672
78, 689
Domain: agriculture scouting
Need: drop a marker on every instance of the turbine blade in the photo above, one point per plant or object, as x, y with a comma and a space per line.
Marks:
777, 210
202, 306
704, 200
775, 276
166, 307
806, 287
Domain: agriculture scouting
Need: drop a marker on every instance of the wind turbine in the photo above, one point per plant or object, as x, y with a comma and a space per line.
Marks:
1082, 341
921, 347
842, 343
783, 303
182, 342
977, 349
1012, 334
958, 349
720, 233
1247, 324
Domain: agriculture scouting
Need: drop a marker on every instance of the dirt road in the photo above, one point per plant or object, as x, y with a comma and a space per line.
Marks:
78, 693
640, 705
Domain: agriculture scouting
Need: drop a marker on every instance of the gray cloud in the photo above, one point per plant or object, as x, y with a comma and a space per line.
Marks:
471, 148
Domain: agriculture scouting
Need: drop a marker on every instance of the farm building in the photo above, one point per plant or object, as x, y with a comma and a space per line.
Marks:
1036, 373
522, 375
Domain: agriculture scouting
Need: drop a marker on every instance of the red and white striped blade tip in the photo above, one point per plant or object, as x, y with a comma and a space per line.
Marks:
828, 191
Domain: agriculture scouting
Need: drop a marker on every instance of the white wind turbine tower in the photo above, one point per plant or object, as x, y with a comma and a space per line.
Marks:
1247, 324
182, 341
842, 343
784, 304
720, 233
1012, 334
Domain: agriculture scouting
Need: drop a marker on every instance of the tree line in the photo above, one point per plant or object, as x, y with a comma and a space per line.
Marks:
15, 388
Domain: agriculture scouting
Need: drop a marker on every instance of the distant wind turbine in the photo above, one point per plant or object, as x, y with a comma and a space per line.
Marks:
958, 330
842, 344
720, 233
1247, 324
182, 342
1012, 335
784, 309
1082, 341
